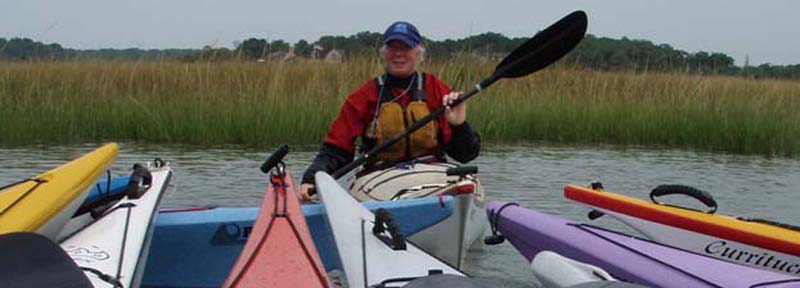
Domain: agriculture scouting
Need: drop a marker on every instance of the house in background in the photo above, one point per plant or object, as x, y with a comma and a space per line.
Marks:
335, 56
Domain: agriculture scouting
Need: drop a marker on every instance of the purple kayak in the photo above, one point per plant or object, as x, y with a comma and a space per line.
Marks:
625, 257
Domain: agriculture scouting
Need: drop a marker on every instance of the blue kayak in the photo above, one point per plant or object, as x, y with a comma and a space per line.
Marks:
103, 192
198, 247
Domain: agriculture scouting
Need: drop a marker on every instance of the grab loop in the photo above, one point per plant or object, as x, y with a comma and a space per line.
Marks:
384, 222
496, 238
700, 195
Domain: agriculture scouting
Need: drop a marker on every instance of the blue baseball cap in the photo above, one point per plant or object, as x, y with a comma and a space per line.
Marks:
402, 31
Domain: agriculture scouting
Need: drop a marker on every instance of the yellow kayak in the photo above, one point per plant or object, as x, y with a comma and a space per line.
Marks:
45, 203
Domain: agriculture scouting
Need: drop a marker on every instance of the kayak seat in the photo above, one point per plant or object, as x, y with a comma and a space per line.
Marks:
32, 260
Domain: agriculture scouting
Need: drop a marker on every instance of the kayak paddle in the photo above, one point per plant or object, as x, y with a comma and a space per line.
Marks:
538, 52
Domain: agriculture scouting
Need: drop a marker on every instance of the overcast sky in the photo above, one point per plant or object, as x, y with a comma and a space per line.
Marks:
765, 30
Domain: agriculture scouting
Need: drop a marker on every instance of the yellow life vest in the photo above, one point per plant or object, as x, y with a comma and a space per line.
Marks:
392, 119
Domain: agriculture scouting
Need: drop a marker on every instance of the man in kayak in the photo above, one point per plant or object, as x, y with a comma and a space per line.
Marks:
387, 105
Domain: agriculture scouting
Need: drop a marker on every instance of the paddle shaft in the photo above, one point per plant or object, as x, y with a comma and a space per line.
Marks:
414, 127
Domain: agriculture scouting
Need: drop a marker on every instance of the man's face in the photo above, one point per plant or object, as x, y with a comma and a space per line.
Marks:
400, 59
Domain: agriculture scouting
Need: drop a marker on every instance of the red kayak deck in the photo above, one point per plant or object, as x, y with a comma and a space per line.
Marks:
725, 227
279, 251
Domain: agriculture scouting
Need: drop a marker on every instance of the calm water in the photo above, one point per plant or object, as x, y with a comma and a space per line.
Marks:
532, 176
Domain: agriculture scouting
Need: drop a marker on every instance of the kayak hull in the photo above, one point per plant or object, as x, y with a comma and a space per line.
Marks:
186, 239
117, 243
107, 188
627, 258
47, 206
368, 260
727, 238
449, 240
279, 251
105, 192
556, 271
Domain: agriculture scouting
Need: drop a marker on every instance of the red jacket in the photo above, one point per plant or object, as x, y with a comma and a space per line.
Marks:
359, 108
358, 111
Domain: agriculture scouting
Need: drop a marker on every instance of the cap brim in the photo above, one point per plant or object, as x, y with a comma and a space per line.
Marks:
403, 38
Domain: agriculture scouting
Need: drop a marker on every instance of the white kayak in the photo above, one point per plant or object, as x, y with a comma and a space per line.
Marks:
369, 258
554, 271
450, 239
112, 250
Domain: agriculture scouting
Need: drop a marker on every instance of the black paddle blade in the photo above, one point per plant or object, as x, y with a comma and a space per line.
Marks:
545, 47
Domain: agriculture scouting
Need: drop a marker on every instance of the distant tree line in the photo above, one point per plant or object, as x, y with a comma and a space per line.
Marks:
594, 52
27, 49
642, 55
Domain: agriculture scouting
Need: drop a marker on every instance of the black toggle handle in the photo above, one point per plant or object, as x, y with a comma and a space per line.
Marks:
275, 158
695, 193
494, 239
462, 171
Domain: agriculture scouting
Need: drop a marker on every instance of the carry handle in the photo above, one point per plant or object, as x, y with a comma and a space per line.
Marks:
700, 195
384, 222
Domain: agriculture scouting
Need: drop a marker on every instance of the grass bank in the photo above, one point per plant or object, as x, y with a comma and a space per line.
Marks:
269, 103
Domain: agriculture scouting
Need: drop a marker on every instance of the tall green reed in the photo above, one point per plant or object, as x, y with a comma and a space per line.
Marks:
294, 102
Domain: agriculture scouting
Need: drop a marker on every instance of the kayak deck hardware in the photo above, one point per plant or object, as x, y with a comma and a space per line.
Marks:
277, 181
594, 214
108, 186
700, 195
39, 181
140, 181
770, 222
416, 188
462, 171
384, 222
496, 238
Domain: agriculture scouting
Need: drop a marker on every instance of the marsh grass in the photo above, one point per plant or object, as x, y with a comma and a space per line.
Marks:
294, 102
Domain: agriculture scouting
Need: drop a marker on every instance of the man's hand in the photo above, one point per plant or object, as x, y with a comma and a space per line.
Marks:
302, 193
